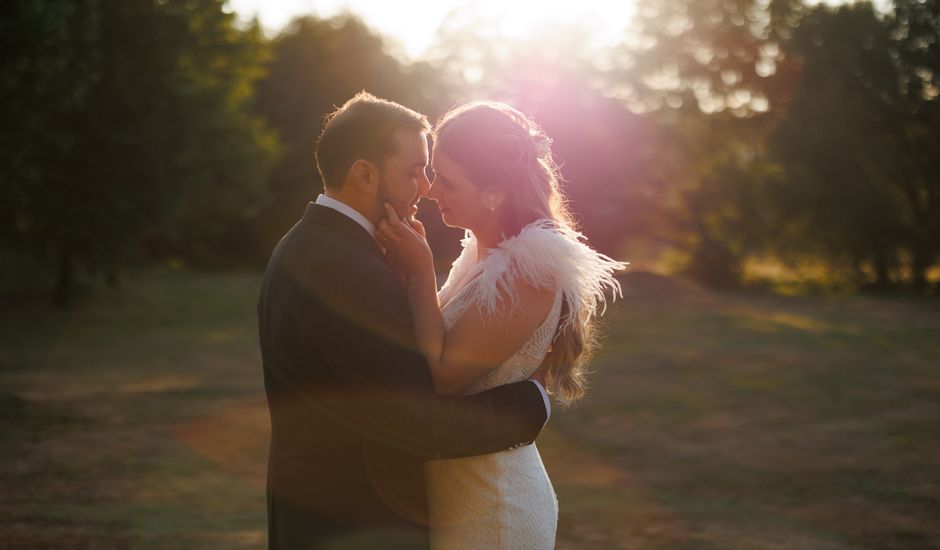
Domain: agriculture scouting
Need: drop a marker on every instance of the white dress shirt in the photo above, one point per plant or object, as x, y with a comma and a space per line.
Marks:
357, 217
348, 211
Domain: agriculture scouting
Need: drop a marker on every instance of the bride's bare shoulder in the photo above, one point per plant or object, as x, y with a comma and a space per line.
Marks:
524, 301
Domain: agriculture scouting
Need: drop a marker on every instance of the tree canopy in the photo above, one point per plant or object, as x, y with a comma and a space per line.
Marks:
718, 133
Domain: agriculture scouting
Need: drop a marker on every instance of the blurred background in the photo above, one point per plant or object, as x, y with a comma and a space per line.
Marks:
770, 168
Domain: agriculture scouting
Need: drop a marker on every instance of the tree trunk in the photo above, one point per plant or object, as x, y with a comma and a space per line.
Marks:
62, 294
112, 275
920, 263
882, 271
714, 265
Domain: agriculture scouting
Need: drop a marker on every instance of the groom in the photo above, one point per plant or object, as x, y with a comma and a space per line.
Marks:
353, 409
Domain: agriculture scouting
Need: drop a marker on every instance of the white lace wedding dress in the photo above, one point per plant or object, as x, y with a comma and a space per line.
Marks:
506, 500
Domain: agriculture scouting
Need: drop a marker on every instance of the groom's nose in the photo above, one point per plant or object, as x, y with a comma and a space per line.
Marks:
433, 191
423, 185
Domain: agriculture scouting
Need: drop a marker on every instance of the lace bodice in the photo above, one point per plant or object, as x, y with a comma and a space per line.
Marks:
526, 360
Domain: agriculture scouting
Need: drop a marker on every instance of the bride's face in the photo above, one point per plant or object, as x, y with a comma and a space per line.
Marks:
458, 198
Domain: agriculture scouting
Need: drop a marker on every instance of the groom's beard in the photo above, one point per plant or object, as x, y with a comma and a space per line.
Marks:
384, 197
383, 193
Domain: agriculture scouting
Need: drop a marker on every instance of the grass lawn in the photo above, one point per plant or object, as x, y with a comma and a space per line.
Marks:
717, 420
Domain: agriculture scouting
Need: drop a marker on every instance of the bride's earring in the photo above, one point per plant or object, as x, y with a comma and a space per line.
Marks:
491, 201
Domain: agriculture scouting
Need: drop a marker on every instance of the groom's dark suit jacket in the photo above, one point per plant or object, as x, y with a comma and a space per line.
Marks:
353, 409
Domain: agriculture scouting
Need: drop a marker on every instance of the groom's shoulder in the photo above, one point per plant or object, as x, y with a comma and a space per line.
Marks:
323, 252
332, 268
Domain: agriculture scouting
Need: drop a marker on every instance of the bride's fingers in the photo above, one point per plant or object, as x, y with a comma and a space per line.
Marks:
392, 217
417, 226
385, 234
402, 227
384, 228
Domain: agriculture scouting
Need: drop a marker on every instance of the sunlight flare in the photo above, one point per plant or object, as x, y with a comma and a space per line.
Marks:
414, 24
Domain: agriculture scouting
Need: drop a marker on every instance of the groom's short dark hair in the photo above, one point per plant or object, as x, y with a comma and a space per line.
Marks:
363, 128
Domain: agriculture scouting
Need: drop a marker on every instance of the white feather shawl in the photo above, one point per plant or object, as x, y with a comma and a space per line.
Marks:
544, 254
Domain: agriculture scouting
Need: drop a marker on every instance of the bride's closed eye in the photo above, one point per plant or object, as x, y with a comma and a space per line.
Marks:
445, 182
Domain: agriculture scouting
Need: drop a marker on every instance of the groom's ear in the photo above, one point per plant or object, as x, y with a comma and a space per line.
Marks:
365, 176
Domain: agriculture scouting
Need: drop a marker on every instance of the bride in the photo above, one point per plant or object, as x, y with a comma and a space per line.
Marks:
519, 302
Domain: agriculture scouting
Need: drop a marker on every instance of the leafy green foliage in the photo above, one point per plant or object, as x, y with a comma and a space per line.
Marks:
860, 140
317, 65
131, 123
718, 132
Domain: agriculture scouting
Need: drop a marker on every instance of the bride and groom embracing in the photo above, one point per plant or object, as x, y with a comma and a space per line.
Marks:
403, 416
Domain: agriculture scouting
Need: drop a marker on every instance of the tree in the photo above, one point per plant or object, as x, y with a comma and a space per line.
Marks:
716, 54
916, 31
708, 75
157, 125
47, 56
224, 151
858, 143
714, 170
318, 64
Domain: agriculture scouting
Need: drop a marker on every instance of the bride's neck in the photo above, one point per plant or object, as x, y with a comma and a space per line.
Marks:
486, 238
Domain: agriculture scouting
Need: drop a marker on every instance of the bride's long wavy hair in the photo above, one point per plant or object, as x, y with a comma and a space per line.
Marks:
499, 146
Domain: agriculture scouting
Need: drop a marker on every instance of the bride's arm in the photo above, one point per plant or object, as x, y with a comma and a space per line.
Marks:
474, 345
428, 322
407, 246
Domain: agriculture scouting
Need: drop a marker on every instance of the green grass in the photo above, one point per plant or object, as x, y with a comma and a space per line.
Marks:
716, 420
112, 414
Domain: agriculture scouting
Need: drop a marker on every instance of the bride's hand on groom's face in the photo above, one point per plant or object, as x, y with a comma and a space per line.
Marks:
417, 226
405, 243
